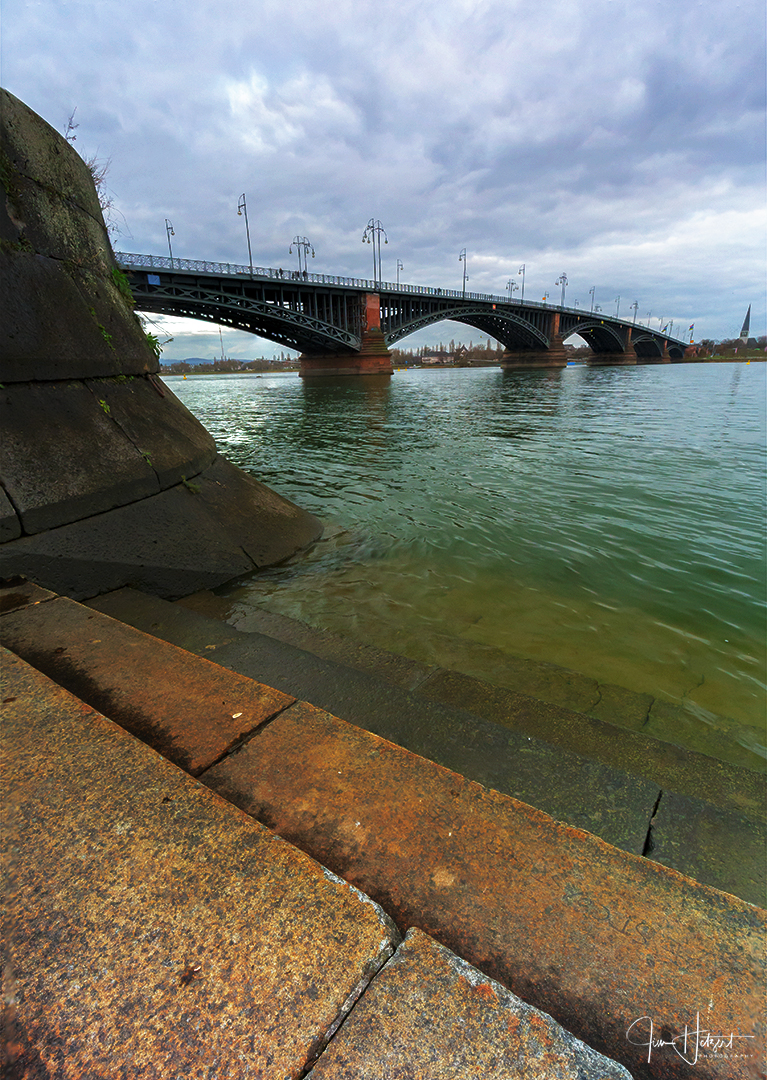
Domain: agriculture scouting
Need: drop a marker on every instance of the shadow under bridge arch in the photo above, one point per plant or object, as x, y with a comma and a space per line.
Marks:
513, 331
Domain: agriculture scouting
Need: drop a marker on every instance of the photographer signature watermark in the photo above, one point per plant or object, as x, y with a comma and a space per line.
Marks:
694, 1042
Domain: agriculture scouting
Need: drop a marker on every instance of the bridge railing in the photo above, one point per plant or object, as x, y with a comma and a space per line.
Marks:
196, 266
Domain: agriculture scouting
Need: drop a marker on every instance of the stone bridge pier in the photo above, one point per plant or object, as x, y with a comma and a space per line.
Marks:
553, 356
373, 357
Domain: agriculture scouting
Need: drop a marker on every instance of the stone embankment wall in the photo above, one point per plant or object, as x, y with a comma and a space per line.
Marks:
106, 479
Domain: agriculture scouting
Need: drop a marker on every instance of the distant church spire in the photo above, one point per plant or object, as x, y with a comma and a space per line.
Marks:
746, 325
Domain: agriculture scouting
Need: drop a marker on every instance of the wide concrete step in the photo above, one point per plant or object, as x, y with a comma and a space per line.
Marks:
160, 698
575, 926
154, 930
702, 816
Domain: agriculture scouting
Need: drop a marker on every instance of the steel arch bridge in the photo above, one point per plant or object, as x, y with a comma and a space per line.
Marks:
335, 319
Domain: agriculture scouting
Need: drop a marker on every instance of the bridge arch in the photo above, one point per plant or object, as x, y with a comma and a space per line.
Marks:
511, 330
599, 336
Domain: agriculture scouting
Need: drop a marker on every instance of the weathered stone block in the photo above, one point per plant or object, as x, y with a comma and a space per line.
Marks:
172, 441
62, 471
34, 149
590, 934
151, 929
430, 1014
266, 526
190, 710
18, 593
676, 724
168, 544
51, 328
62, 306
718, 847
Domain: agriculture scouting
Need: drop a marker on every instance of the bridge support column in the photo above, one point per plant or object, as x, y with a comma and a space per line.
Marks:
554, 356
628, 356
373, 358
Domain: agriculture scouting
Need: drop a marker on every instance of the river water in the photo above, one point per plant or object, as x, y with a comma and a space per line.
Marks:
608, 520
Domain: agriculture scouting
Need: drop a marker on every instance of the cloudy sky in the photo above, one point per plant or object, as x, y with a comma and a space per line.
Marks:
620, 142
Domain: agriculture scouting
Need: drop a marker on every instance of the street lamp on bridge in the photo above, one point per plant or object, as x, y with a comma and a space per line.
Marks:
511, 286
372, 235
617, 305
462, 258
169, 232
562, 280
302, 244
635, 306
400, 266
243, 209
592, 290
522, 272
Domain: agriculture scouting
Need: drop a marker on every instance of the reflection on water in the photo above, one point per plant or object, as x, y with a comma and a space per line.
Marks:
609, 520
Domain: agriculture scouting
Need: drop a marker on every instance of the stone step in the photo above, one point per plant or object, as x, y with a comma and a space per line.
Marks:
428, 1013
164, 699
590, 934
514, 681
152, 929
575, 926
701, 816
157, 931
187, 708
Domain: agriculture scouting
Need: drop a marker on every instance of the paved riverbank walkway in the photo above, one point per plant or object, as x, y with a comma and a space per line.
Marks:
156, 927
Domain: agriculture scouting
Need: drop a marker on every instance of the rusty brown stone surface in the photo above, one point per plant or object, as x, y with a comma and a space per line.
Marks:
150, 929
596, 937
19, 593
430, 1014
189, 709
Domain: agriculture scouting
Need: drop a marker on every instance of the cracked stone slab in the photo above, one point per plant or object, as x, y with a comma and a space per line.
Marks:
588, 933
191, 710
718, 847
429, 1013
639, 753
151, 929
172, 442
718, 736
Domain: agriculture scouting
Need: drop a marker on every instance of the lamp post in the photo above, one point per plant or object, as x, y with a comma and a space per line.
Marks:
169, 232
302, 245
545, 297
649, 316
399, 267
592, 290
511, 286
462, 258
522, 272
562, 280
243, 209
617, 305
635, 306
372, 235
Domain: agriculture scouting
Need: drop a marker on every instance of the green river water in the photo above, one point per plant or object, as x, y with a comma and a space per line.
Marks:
608, 520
